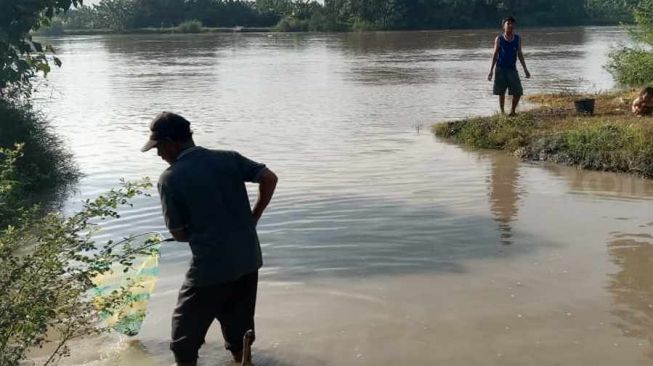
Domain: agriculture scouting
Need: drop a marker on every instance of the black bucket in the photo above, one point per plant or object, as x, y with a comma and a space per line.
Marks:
584, 106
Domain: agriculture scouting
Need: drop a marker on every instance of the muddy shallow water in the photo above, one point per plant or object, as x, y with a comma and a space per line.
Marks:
383, 245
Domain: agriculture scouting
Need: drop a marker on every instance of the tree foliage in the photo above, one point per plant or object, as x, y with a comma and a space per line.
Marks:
115, 14
354, 14
46, 167
633, 66
47, 264
20, 57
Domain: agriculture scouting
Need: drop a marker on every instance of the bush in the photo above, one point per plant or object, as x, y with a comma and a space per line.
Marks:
320, 22
291, 24
46, 164
22, 59
191, 26
632, 67
54, 28
12, 197
47, 264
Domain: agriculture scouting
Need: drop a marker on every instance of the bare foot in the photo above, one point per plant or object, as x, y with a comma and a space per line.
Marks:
248, 339
244, 357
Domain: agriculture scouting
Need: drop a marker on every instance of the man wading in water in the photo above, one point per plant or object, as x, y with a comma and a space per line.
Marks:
205, 203
507, 48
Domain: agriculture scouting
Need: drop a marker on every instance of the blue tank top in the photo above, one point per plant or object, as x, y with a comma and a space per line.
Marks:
508, 52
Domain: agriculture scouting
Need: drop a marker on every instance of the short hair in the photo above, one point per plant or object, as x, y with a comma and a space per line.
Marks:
646, 90
508, 19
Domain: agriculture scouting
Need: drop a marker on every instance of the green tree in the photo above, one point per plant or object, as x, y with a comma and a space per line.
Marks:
80, 18
47, 264
118, 15
633, 66
21, 59
279, 8
611, 11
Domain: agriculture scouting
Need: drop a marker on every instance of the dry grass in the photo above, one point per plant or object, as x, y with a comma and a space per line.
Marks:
607, 103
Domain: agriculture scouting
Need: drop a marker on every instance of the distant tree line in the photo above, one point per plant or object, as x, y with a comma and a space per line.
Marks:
343, 15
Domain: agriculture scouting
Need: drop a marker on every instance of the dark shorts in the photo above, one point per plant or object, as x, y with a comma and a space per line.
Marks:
232, 304
507, 79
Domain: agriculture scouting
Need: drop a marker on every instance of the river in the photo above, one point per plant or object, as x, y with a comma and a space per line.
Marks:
383, 244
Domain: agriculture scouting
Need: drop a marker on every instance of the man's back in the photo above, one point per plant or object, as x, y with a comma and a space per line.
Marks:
204, 192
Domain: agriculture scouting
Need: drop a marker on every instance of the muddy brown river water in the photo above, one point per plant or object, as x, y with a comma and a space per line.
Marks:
384, 245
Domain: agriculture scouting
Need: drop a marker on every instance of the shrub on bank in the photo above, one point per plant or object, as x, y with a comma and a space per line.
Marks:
54, 28
634, 66
191, 26
292, 24
321, 22
631, 66
46, 164
47, 264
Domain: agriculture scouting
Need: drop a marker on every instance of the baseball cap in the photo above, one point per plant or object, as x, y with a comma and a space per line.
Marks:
167, 126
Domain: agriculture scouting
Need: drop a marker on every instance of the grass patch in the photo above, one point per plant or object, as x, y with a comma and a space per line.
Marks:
611, 140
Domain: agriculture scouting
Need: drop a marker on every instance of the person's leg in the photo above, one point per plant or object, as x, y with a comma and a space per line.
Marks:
515, 89
190, 322
236, 316
500, 87
515, 103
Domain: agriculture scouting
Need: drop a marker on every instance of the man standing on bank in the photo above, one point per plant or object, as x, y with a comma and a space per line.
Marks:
205, 203
507, 48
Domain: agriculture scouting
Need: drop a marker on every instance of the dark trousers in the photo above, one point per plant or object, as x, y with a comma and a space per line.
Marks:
232, 304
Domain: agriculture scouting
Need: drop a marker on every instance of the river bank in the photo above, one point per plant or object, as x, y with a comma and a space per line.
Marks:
282, 27
611, 139
167, 30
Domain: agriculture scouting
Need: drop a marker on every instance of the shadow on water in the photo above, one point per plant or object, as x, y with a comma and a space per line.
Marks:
365, 236
632, 285
603, 184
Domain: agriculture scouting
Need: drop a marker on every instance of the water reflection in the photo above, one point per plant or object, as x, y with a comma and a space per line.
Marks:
632, 285
364, 236
603, 184
504, 193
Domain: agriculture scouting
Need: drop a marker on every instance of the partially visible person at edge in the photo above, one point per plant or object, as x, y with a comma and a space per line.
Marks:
643, 104
507, 48
205, 203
